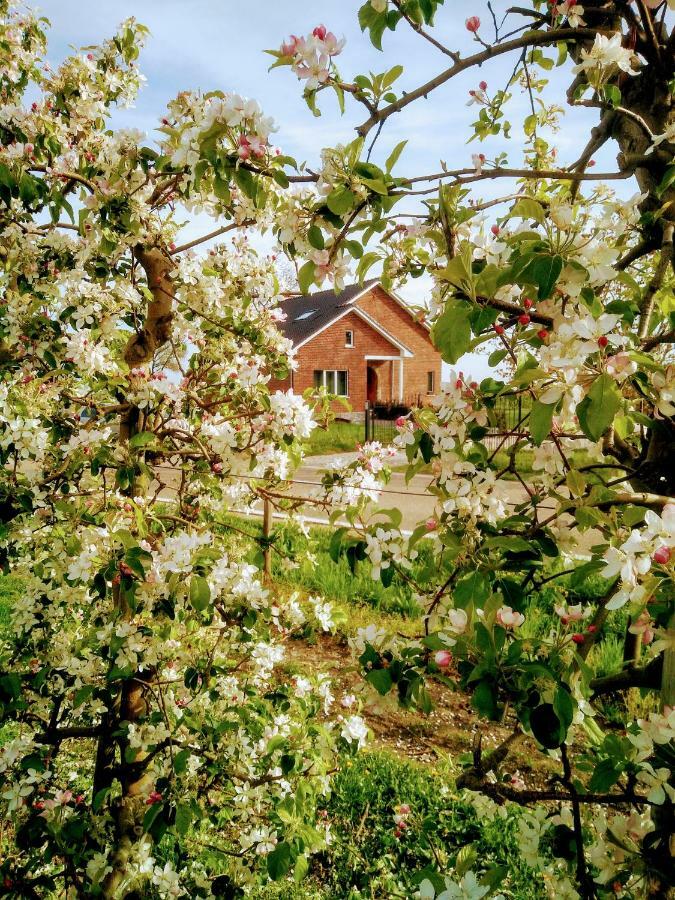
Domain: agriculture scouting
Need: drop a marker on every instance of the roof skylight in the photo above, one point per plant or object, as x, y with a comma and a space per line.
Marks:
305, 315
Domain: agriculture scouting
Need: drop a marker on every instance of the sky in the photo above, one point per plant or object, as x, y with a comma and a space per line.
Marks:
219, 44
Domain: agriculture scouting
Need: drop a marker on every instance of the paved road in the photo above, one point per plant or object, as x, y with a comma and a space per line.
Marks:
411, 498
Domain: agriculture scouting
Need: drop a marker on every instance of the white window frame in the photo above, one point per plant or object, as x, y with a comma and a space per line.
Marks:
349, 339
329, 381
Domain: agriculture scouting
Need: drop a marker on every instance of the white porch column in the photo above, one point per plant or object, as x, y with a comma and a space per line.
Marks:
400, 379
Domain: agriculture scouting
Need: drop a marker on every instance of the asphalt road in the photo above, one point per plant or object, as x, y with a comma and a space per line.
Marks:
411, 498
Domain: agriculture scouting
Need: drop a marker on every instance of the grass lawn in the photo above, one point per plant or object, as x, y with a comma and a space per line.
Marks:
9, 588
338, 437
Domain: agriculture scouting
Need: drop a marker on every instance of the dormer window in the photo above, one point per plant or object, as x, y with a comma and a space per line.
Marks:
349, 338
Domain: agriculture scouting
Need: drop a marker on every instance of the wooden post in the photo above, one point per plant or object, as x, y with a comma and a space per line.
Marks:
267, 534
366, 416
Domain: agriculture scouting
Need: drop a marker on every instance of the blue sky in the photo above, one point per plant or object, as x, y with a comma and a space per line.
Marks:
210, 44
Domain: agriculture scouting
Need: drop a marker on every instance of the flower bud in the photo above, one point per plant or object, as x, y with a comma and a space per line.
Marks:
662, 556
443, 658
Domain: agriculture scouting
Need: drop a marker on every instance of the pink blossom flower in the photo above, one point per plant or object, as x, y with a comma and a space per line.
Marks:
643, 626
662, 556
443, 658
431, 524
478, 160
571, 613
472, 24
290, 47
509, 618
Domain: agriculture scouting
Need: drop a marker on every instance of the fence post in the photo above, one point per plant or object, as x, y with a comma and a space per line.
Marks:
267, 534
366, 416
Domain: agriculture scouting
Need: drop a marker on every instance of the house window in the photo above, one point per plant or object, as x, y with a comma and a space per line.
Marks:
335, 381
431, 382
349, 338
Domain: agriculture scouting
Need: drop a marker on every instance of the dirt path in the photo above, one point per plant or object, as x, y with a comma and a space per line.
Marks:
450, 729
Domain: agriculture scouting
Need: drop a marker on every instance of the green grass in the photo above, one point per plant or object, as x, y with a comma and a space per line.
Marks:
367, 859
9, 589
338, 437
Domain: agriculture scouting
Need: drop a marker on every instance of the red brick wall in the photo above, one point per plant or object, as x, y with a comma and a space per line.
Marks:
327, 351
398, 322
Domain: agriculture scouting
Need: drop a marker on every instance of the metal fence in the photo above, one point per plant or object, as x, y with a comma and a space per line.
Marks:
380, 422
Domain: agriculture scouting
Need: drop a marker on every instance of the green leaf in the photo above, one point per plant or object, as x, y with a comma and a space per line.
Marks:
597, 410
387, 575
306, 277
496, 357
541, 418
391, 76
612, 94
451, 332
221, 189
200, 592
546, 271
528, 209
487, 281
545, 726
279, 861
541, 269
341, 200
151, 815
141, 439
301, 868
666, 181
246, 182
381, 680
606, 773
375, 22
393, 157
457, 272
315, 237
564, 707
183, 818
484, 699
335, 544
473, 588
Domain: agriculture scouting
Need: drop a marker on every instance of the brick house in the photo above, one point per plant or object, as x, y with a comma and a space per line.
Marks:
363, 343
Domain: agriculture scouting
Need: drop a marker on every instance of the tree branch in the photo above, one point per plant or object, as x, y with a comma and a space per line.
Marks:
648, 676
211, 235
531, 39
664, 263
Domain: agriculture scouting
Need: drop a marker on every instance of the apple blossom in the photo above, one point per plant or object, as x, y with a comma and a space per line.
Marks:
509, 618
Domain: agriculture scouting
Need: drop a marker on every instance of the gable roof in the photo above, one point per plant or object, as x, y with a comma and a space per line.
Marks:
357, 311
308, 314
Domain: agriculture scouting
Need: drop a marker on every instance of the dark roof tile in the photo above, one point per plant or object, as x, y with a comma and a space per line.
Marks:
306, 314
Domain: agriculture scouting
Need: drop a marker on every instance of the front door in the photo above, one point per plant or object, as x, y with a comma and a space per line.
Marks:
371, 385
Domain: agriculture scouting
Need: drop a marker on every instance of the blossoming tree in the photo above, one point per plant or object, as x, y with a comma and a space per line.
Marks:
573, 289
146, 731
